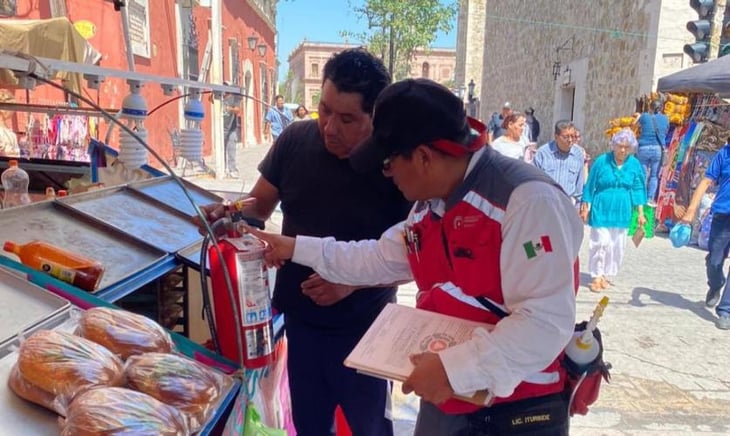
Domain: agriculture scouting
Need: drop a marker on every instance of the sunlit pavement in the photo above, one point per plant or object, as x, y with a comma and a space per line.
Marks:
670, 373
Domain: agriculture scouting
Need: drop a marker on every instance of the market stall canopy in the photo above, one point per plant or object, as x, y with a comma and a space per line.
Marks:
711, 78
54, 38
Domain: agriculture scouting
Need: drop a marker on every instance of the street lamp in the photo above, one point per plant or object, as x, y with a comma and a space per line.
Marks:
262, 49
472, 99
252, 40
556, 70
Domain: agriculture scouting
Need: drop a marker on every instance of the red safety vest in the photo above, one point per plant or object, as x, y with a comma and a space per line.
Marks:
457, 258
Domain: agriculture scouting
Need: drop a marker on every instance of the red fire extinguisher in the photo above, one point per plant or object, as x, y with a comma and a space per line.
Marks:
243, 257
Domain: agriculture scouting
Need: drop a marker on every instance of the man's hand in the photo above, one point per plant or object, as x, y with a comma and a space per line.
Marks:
324, 293
428, 379
211, 213
214, 212
641, 220
280, 248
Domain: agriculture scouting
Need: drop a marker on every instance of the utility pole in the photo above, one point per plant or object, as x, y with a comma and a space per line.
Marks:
716, 28
216, 77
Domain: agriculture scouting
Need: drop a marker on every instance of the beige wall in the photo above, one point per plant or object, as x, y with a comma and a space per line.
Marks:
618, 54
441, 64
307, 61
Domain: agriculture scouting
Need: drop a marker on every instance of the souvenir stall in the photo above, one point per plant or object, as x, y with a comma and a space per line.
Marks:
50, 132
136, 232
694, 142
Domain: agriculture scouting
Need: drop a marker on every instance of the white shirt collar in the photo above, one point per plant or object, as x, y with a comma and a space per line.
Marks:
437, 205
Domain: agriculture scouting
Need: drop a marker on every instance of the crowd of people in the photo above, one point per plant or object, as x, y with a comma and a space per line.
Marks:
487, 224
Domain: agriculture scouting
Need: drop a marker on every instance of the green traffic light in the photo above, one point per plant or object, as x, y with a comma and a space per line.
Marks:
724, 50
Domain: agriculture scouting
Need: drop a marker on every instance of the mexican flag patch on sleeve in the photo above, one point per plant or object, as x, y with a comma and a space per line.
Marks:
535, 248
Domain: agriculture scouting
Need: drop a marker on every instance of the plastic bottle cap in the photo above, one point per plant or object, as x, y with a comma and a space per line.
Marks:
10, 246
62, 193
13, 163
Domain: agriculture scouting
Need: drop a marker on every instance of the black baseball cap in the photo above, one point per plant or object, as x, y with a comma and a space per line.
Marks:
412, 112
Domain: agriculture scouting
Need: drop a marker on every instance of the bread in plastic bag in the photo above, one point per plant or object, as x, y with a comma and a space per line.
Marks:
64, 364
124, 333
175, 380
121, 411
30, 392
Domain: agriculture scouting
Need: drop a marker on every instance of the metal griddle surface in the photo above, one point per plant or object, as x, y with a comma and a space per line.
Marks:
121, 255
138, 216
167, 191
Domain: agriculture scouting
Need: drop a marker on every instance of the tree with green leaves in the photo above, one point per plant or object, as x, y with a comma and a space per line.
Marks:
396, 28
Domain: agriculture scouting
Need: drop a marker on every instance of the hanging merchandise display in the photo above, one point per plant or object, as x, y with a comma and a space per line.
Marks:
704, 130
57, 137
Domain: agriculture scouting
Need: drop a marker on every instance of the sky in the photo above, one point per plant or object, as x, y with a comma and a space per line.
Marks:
322, 21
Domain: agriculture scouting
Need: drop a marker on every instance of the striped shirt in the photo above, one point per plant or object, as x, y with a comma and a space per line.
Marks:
565, 168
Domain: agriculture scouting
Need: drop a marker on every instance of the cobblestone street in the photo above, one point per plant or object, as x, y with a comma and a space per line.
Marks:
669, 374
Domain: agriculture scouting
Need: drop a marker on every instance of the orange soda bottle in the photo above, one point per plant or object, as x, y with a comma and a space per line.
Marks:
72, 268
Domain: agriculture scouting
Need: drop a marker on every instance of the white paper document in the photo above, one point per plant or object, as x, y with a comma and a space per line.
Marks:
400, 331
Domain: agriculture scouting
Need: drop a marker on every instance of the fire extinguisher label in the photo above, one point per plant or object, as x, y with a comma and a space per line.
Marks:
259, 341
253, 285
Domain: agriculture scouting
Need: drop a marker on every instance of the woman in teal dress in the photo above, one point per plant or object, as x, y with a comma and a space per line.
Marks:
616, 185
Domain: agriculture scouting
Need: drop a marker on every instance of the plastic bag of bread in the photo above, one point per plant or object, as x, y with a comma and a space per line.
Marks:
30, 392
64, 364
124, 333
177, 381
121, 411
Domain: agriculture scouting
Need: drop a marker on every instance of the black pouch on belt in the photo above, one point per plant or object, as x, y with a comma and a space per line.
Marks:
540, 416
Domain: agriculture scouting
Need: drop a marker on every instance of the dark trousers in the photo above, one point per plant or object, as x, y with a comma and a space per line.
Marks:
231, 143
719, 246
318, 382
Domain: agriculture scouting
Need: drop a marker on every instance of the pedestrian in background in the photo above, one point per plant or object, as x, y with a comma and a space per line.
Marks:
301, 114
563, 161
533, 125
654, 128
616, 185
496, 122
277, 118
512, 143
232, 126
719, 241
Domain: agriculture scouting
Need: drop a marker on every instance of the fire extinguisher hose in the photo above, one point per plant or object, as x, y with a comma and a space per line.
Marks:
207, 311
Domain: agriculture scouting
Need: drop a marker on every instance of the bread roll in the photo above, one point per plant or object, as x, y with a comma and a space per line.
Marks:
63, 364
121, 411
124, 333
27, 391
177, 381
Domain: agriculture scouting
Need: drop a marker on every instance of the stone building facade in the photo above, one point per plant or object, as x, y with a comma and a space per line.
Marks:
308, 58
470, 44
610, 53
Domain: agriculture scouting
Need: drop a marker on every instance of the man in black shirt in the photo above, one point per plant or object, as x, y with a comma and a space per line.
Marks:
308, 171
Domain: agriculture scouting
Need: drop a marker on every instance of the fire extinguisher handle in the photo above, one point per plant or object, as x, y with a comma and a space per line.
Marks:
254, 222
